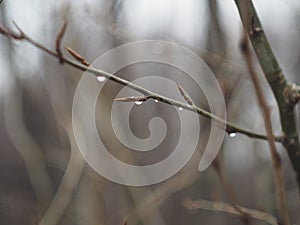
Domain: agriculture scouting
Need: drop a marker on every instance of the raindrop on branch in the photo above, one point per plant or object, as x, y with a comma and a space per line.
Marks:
101, 78
232, 135
138, 102
180, 108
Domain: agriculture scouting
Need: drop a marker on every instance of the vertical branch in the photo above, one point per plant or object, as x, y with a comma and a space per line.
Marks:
19, 135
276, 80
276, 160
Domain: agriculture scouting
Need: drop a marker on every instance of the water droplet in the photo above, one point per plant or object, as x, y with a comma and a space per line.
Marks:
180, 108
138, 102
156, 100
232, 135
101, 78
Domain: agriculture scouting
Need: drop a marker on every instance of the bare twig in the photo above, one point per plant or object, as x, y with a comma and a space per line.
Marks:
187, 98
133, 99
58, 41
227, 208
229, 126
276, 160
67, 186
228, 190
77, 56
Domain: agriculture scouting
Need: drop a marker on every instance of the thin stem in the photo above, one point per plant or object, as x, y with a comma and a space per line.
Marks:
230, 128
276, 160
227, 208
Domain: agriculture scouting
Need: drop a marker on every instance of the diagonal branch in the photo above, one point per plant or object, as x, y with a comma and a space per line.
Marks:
230, 128
227, 208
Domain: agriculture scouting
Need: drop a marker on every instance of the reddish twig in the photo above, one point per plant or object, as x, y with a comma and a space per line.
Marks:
187, 98
59, 38
77, 56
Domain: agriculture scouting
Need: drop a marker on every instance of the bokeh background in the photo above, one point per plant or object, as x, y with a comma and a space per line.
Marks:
44, 179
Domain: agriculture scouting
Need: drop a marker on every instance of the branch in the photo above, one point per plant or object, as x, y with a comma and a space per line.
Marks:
187, 98
276, 80
230, 128
58, 41
276, 160
227, 208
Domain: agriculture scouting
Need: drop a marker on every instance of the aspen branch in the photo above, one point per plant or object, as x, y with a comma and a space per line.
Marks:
230, 127
276, 79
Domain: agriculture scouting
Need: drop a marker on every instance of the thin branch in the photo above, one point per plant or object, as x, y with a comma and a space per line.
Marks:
133, 99
59, 40
187, 98
228, 190
276, 160
230, 128
69, 182
77, 56
227, 208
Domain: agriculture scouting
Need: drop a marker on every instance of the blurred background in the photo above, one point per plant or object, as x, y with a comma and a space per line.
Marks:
43, 177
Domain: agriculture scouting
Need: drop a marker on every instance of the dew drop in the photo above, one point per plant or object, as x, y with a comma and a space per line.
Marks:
180, 108
138, 102
101, 78
156, 100
232, 135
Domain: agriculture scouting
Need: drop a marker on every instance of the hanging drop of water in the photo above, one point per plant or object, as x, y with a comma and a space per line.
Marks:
138, 102
100, 78
156, 100
232, 135
180, 108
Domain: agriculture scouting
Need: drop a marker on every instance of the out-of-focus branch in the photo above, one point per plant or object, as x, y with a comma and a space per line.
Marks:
227, 208
276, 160
230, 128
19, 135
276, 80
228, 190
67, 186
76, 162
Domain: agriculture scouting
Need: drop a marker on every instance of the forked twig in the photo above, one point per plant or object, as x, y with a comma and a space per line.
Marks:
59, 40
83, 65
